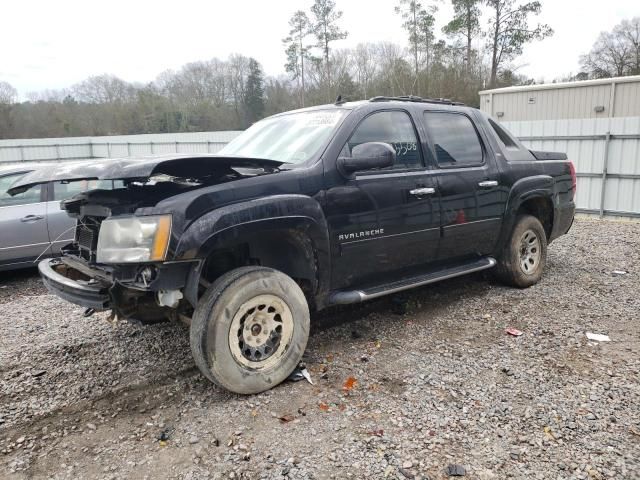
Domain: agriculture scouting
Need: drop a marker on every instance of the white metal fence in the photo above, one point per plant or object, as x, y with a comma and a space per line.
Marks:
606, 153
82, 148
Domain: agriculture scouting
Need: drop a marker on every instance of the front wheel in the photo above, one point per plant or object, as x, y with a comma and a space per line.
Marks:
525, 253
250, 329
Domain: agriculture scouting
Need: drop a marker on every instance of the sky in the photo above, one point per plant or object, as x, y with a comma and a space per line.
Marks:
51, 45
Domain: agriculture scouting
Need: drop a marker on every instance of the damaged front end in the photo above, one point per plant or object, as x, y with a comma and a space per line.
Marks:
146, 292
122, 257
120, 264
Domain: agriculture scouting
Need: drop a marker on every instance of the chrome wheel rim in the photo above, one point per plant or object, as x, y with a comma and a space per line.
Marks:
261, 331
530, 253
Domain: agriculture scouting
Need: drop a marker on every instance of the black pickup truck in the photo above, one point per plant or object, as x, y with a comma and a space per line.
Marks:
322, 206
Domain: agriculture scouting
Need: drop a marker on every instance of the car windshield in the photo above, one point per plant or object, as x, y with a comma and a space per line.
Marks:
290, 138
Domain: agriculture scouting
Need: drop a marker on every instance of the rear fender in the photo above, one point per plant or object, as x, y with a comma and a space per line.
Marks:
539, 186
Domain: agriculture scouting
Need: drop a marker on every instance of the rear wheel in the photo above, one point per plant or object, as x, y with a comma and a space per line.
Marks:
525, 255
250, 329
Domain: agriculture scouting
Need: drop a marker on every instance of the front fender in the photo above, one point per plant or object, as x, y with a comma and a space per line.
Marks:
221, 227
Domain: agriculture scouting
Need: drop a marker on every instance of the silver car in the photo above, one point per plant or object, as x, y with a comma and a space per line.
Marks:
32, 225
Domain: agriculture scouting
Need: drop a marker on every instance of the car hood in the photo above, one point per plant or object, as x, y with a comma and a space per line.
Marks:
175, 165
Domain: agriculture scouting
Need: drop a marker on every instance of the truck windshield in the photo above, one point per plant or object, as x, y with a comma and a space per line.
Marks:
290, 138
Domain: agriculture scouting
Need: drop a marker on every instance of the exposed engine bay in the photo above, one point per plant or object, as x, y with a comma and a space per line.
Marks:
140, 193
146, 290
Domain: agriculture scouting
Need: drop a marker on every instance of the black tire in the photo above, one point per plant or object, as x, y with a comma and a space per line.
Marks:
215, 350
517, 268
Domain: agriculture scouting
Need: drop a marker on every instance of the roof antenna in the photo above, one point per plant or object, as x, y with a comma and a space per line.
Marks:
339, 100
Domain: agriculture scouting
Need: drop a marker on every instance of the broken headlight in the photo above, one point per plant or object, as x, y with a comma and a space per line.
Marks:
134, 239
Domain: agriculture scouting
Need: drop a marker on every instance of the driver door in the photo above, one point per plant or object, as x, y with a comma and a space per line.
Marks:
386, 220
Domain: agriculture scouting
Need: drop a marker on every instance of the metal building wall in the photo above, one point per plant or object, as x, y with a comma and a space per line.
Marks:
627, 99
606, 153
612, 97
562, 103
80, 148
597, 122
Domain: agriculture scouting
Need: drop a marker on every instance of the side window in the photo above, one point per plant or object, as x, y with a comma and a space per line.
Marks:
63, 190
455, 139
394, 128
502, 134
30, 196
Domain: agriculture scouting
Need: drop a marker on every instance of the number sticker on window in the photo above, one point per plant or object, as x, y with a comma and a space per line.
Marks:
403, 148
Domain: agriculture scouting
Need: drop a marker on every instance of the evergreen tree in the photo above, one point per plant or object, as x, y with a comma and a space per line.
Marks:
326, 30
426, 37
254, 93
296, 49
510, 31
419, 23
466, 23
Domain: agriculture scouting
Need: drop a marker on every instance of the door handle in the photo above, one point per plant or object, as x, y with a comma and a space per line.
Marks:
488, 184
31, 218
418, 192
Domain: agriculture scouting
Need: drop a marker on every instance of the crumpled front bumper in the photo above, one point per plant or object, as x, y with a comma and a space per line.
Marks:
88, 294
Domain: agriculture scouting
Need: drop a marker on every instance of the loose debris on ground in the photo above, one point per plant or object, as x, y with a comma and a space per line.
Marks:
427, 388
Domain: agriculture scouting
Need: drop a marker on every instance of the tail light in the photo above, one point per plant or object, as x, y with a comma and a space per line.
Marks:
574, 179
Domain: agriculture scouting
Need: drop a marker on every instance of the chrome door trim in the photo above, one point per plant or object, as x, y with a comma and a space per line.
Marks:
422, 191
488, 183
22, 246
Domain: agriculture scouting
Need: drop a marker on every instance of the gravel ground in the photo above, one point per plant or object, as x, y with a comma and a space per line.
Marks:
395, 395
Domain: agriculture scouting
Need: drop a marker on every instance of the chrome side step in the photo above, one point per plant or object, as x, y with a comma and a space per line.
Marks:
343, 297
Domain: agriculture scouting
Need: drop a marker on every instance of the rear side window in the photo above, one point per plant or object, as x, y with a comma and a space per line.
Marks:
394, 128
25, 198
455, 139
502, 134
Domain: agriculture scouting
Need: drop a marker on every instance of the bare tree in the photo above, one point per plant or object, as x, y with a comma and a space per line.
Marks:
608, 57
8, 94
238, 72
396, 76
630, 30
103, 89
278, 95
342, 66
615, 53
198, 83
365, 65
49, 95
164, 81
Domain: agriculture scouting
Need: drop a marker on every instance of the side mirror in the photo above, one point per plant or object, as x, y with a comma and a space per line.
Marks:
368, 156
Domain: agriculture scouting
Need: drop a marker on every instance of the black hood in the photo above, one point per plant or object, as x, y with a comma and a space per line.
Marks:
175, 165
